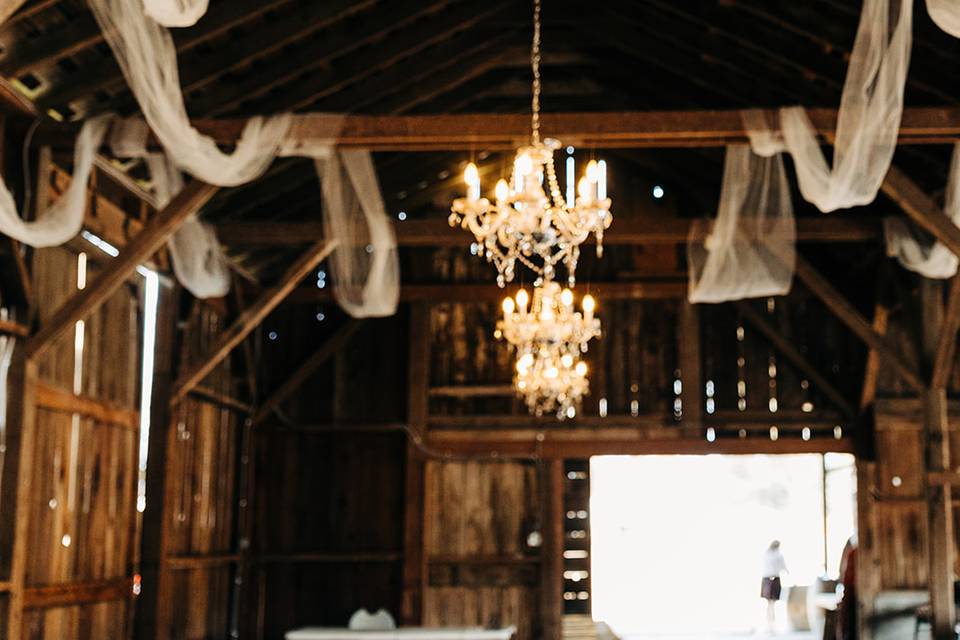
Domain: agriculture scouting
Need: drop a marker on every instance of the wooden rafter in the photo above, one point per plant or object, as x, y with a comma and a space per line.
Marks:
153, 236
8, 8
626, 230
786, 348
854, 320
453, 292
636, 129
308, 368
584, 443
252, 317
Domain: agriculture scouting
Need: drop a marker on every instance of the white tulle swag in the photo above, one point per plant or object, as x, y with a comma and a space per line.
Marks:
868, 120
146, 55
63, 219
196, 256
915, 250
176, 13
364, 267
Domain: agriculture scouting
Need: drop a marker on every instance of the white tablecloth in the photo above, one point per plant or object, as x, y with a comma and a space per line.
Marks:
407, 633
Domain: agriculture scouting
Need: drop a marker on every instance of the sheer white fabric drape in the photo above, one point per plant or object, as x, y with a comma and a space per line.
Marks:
915, 250
63, 219
749, 251
146, 55
868, 121
176, 13
195, 252
946, 14
364, 267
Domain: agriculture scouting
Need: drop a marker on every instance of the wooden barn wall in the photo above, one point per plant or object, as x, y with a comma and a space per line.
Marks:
198, 499
481, 569
82, 543
330, 467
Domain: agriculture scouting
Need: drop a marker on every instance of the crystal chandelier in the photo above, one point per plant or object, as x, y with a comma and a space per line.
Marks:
527, 223
549, 338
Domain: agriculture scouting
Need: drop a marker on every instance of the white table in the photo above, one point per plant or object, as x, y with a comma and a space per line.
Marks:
405, 633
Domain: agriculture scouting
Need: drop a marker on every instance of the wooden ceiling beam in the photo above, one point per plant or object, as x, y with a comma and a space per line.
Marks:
854, 320
491, 293
946, 353
251, 318
636, 129
9, 7
146, 243
545, 438
437, 232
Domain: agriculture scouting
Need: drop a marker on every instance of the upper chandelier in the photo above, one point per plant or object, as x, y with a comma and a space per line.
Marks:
529, 221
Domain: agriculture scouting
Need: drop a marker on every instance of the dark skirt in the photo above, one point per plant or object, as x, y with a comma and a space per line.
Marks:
770, 589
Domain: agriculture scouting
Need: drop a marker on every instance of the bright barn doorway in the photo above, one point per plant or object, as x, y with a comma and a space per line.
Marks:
677, 541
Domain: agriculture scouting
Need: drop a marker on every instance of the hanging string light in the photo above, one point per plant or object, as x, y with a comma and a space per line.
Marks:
529, 220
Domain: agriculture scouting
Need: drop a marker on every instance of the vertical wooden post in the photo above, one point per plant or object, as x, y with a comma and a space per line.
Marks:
551, 558
17, 481
414, 546
940, 516
939, 506
868, 562
691, 375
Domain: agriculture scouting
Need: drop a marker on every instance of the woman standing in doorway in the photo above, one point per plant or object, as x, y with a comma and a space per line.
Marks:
773, 566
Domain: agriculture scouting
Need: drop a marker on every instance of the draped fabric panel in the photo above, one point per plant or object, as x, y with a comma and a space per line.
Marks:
749, 251
365, 266
914, 248
195, 253
868, 120
145, 52
63, 219
176, 13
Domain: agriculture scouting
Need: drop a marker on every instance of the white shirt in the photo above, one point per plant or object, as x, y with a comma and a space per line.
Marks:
773, 563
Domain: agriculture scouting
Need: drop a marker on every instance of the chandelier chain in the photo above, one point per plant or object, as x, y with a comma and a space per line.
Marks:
535, 66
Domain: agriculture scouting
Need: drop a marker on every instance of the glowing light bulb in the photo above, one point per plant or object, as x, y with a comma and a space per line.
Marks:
593, 172
566, 297
502, 190
508, 306
524, 164
522, 299
551, 372
589, 305
526, 359
471, 175
566, 360
583, 188
581, 368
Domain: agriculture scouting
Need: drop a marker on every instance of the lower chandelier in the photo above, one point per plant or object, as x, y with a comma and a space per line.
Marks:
549, 338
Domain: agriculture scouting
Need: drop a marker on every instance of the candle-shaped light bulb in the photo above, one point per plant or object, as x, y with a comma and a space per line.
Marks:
471, 175
522, 299
524, 164
566, 297
502, 190
584, 189
589, 305
508, 306
593, 172
566, 360
581, 368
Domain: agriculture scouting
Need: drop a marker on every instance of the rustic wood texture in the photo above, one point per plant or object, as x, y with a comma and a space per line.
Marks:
199, 497
486, 510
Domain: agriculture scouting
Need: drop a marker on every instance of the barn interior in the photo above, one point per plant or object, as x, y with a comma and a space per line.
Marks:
250, 463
